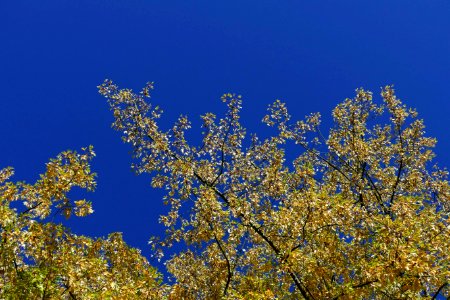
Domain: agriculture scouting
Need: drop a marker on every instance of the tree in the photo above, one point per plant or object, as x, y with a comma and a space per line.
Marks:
40, 259
361, 214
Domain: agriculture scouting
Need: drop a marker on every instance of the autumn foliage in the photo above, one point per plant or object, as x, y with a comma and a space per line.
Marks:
361, 213
43, 260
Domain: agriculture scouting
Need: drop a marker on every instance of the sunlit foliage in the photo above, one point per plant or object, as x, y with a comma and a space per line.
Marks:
40, 259
361, 213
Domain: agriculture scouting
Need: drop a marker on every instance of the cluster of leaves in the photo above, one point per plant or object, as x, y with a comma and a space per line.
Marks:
40, 259
360, 214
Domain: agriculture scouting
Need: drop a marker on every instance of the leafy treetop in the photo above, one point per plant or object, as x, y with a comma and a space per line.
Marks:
40, 259
359, 214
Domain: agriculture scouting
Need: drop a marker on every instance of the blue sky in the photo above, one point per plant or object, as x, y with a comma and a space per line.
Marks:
310, 54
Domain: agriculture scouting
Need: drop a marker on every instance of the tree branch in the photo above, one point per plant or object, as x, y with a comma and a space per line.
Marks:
439, 290
396, 182
30, 209
226, 259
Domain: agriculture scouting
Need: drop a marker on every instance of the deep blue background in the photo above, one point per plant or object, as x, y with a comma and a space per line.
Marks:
53, 54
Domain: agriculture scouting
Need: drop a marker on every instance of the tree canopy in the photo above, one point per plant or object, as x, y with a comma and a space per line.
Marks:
358, 214
361, 213
40, 259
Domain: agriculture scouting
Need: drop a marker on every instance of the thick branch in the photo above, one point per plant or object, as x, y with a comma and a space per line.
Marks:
229, 275
439, 290
72, 295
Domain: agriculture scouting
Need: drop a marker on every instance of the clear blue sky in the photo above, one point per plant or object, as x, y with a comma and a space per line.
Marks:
310, 54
